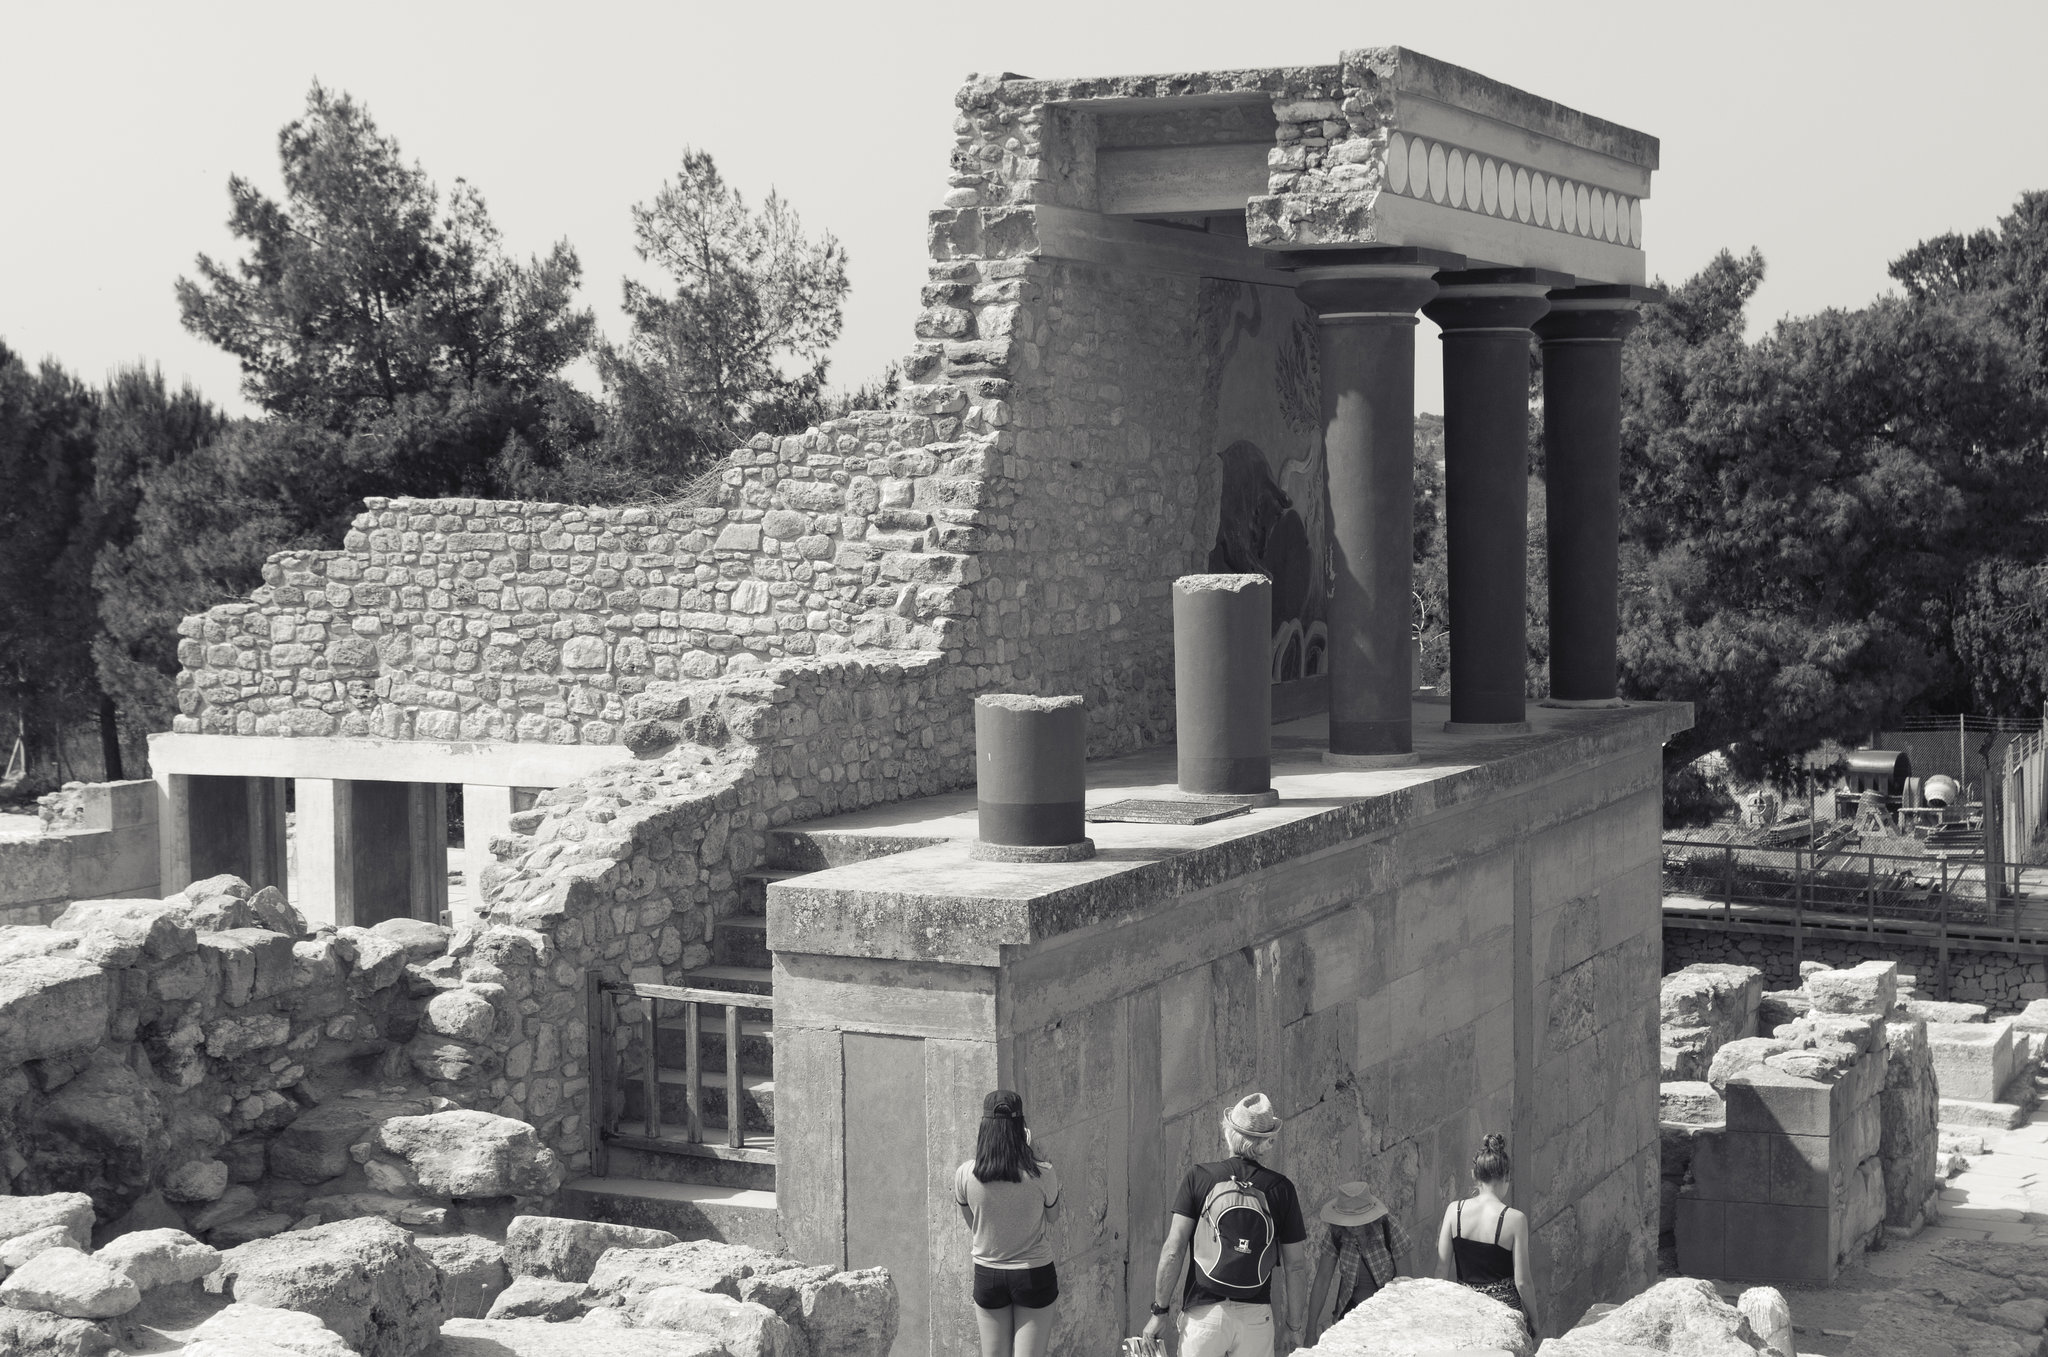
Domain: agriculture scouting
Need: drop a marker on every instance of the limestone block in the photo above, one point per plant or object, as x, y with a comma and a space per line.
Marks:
1677, 1315
537, 1338
1935, 1010
35, 1334
1971, 1060
314, 1147
742, 1328
159, 926
255, 963
542, 1298
377, 959
1770, 1319
229, 1037
1413, 1315
462, 1014
69, 1283
622, 1275
422, 941
151, 1258
472, 1154
71, 1211
473, 1272
234, 1203
1690, 1102
854, 1313
18, 1250
49, 1005
1869, 987
196, 1180
109, 1108
567, 1250
236, 1327
365, 1279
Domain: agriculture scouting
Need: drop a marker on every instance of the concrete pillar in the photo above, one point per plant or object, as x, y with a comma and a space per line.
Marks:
486, 814
1031, 779
326, 850
1223, 686
427, 838
1582, 336
1365, 305
174, 832
1485, 315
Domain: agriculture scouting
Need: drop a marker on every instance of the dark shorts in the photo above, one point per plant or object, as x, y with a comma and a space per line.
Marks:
998, 1288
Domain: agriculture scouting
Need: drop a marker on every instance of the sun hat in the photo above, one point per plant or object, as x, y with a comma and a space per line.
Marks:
1003, 1103
1354, 1204
1253, 1116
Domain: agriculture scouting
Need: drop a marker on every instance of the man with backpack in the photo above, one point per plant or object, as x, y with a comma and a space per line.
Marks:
1233, 1220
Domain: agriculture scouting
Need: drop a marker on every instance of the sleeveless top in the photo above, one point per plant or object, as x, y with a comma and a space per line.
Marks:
1487, 1268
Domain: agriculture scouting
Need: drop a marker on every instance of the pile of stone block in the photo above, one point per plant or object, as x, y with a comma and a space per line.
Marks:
1702, 1008
1826, 1135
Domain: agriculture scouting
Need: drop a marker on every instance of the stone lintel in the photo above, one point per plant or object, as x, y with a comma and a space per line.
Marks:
478, 762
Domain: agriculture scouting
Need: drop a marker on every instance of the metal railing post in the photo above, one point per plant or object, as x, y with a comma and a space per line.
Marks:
1942, 945
1870, 896
1798, 908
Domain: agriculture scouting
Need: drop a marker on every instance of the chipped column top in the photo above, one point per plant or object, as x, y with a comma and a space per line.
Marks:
1026, 702
1218, 584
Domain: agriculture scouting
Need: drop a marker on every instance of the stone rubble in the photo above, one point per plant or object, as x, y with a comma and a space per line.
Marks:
1422, 1315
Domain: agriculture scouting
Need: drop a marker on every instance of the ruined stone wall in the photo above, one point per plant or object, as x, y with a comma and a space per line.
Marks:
624, 873
2004, 984
99, 842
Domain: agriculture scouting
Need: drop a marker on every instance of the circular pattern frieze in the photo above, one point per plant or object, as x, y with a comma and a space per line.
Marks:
1468, 181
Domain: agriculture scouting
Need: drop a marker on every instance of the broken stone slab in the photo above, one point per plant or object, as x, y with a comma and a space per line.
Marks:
35, 1334
1868, 987
365, 1279
1962, 1112
276, 913
314, 1147
50, 1005
1740, 1055
158, 927
1677, 1315
622, 1275
472, 1154
1413, 1315
1690, 1102
541, 1298
152, 1258
18, 1250
473, 1272
71, 1284
742, 1328
70, 1210
1938, 1010
538, 1338
566, 1250
1780, 1006
237, 1325
421, 940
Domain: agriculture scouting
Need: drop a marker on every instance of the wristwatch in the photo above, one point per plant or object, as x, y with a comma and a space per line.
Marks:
1162, 1309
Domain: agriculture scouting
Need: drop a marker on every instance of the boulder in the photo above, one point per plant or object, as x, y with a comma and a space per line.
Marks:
315, 1146
473, 1271
69, 1283
853, 1314
51, 1004
290, 1330
540, 1298
742, 1328
1770, 1319
377, 960
158, 927
462, 1014
1739, 1055
1680, 1315
276, 913
538, 1338
18, 1250
566, 1250
31, 1333
472, 1154
421, 940
1870, 987
623, 1275
196, 1180
1423, 1315
70, 1210
159, 1257
365, 1279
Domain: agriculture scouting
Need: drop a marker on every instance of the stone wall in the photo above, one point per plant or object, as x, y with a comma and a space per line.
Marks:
624, 873
153, 1052
2003, 983
98, 843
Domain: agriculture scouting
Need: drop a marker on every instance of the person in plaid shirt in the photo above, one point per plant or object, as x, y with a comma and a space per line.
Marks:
1367, 1245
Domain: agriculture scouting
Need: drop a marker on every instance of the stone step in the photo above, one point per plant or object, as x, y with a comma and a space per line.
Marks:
741, 940
757, 1101
800, 850
754, 887
757, 1044
739, 979
1961, 1112
733, 1215
670, 1159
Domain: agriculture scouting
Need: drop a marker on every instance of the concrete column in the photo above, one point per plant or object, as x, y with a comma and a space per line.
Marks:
267, 857
326, 849
1485, 315
486, 814
1581, 339
1365, 305
427, 837
174, 832
1223, 686
1031, 779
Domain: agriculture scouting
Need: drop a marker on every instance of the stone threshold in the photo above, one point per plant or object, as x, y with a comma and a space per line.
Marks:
932, 902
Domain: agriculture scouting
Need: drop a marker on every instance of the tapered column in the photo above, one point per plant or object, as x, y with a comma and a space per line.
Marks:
1485, 315
1582, 336
1365, 327
1223, 686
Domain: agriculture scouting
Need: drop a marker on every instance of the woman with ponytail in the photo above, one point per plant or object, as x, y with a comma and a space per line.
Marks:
1484, 1242
1007, 1194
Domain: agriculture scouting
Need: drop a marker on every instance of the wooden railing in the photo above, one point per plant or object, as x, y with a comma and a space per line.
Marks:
608, 1077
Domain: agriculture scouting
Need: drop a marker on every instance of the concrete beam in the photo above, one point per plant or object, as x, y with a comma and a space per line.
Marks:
500, 763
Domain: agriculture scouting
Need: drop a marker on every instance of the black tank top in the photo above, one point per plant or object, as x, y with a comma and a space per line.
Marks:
1482, 1264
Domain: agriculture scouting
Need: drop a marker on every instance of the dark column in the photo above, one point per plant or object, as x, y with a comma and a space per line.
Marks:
1582, 337
1031, 779
1485, 315
1365, 324
1223, 686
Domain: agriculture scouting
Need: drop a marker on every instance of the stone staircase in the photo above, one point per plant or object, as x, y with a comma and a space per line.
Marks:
710, 1189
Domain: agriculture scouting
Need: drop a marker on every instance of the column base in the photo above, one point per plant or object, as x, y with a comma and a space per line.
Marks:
982, 851
1486, 727
1583, 703
1268, 797
1335, 760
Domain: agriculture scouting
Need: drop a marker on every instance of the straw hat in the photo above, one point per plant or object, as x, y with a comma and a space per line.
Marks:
1253, 1116
1354, 1204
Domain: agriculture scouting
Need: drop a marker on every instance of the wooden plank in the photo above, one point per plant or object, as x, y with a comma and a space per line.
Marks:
682, 994
651, 1072
735, 1115
693, 1071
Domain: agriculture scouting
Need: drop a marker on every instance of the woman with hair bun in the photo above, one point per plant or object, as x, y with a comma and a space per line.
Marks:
1007, 1195
1488, 1250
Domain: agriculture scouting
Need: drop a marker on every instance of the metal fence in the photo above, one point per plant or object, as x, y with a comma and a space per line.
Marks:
626, 1048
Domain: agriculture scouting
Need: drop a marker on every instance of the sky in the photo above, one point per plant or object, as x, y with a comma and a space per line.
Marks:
1830, 136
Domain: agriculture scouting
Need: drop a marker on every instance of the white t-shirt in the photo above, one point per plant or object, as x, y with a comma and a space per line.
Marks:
1009, 1218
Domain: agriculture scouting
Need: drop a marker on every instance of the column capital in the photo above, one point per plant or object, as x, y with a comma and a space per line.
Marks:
1384, 283
1602, 314
1492, 299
